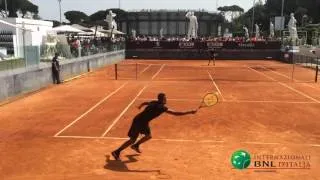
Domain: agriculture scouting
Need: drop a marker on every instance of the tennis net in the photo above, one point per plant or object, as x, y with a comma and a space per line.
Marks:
227, 71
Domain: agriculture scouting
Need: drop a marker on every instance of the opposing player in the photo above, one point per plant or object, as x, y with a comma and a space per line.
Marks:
140, 124
212, 56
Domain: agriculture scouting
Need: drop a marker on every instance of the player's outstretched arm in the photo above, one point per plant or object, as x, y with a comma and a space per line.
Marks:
143, 104
176, 113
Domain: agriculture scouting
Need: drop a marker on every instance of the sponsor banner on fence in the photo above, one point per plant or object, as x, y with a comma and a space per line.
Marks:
215, 45
202, 45
186, 45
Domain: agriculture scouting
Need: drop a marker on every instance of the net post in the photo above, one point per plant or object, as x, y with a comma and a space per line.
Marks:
116, 71
214, 58
317, 71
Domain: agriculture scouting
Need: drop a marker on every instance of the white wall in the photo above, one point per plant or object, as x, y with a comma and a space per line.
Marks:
36, 31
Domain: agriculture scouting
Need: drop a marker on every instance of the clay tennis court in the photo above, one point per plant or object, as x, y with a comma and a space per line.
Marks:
68, 131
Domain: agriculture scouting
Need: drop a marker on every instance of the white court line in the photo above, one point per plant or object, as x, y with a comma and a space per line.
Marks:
311, 86
172, 140
123, 112
145, 69
154, 76
262, 74
283, 75
291, 88
182, 79
154, 139
234, 101
280, 74
261, 143
153, 99
127, 78
91, 109
214, 83
283, 102
299, 92
76, 77
191, 141
290, 78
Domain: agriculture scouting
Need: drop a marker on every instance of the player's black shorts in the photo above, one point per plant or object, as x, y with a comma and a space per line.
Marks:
137, 129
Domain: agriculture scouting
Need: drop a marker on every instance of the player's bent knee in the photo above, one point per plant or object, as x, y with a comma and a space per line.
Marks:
132, 140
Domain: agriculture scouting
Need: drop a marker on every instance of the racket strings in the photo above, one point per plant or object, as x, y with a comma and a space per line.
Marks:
210, 99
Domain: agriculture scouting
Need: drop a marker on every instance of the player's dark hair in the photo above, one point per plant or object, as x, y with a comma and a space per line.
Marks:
161, 96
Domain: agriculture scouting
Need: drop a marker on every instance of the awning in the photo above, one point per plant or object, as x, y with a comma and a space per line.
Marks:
66, 28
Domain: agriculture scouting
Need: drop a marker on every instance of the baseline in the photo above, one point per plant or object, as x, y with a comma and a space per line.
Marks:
191, 141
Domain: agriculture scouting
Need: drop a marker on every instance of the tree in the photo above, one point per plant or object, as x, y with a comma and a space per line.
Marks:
233, 10
101, 15
301, 12
55, 23
98, 16
261, 18
76, 17
27, 6
36, 17
24, 6
304, 11
299, 7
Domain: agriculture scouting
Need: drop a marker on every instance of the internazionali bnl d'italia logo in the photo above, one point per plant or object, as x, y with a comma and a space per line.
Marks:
240, 159
270, 162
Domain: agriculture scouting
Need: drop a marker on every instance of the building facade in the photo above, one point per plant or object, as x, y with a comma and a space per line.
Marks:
173, 23
15, 39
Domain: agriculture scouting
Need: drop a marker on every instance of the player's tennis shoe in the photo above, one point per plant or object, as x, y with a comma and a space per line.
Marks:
116, 155
136, 148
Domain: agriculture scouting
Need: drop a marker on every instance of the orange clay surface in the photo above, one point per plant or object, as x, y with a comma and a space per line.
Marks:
68, 131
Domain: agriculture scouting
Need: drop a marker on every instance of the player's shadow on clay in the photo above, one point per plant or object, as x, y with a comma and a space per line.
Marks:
121, 166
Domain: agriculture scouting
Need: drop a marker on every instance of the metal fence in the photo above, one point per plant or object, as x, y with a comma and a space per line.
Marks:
306, 60
32, 56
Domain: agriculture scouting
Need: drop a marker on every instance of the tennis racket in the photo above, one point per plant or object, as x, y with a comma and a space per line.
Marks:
209, 100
